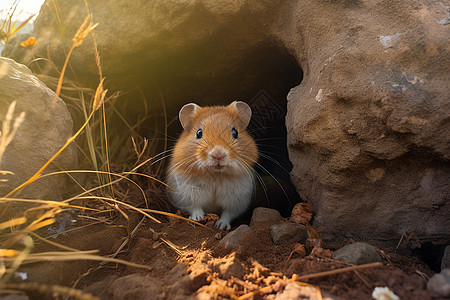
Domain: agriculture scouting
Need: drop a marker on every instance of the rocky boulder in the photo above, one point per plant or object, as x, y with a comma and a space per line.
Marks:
44, 130
368, 127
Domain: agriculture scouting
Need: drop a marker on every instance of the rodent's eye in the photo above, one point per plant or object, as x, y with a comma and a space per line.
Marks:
199, 133
234, 133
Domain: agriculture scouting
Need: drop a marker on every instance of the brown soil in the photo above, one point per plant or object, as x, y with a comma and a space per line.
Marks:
196, 266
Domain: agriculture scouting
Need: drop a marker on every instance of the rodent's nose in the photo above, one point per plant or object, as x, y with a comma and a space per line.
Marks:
218, 156
218, 153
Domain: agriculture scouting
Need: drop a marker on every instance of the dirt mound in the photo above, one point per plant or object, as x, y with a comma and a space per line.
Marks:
188, 262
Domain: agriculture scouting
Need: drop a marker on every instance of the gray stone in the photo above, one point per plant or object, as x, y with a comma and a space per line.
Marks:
357, 254
45, 129
233, 238
440, 283
446, 258
263, 216
287, 233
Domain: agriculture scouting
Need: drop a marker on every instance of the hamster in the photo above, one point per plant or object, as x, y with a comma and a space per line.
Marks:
211, 168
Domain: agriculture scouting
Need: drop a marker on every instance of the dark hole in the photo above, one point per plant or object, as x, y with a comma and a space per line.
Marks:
262, 79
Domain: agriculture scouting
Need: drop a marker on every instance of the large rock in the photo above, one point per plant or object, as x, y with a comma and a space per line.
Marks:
368, 127
357, 254
44, 131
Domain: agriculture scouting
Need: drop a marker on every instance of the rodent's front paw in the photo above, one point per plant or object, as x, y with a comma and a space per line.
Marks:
197, 215
222, 224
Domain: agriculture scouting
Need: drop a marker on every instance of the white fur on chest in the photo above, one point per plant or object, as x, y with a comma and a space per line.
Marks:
226, 195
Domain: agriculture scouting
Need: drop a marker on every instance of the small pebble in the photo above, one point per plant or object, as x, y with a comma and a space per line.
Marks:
357, 254
233, 238
288, 233
264, 216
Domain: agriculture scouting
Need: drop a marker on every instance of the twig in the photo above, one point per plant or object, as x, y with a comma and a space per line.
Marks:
362, 279
341, 270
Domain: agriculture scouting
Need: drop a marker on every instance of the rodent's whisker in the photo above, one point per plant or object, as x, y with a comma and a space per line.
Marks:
268, 173
250, 170
268, 158
160, 159
190, 168
185, 161
199, 144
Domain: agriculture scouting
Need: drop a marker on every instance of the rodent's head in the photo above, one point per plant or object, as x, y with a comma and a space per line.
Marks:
215, 140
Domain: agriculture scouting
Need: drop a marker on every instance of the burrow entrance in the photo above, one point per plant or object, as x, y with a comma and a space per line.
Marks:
262, 78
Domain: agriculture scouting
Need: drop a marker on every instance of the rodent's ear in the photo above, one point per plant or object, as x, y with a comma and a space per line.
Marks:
244, 112
187, 113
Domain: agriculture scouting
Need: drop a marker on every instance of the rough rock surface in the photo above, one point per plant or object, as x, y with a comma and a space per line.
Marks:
357, 254
43, 132
234, 238
263, 216
288, 233
368, 125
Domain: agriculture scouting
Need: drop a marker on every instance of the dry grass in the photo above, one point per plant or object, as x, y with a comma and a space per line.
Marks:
9, 26
18, 236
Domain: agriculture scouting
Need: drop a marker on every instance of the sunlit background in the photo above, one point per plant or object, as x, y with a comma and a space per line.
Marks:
24, 9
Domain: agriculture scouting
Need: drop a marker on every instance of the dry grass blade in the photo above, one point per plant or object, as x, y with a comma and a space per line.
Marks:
77, 40
8, 252
12, 223
83, 31
18, 259
124, 204
175, 216
7, 133
81, 255
48, 202
121, 177
151, 177
46, 240
342, 270
8, 28
15, 30
36, 226
99, 97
